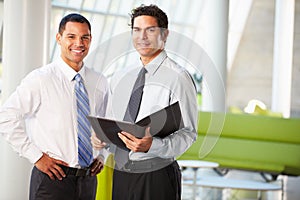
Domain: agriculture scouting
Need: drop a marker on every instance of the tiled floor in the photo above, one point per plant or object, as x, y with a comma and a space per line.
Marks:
291, 188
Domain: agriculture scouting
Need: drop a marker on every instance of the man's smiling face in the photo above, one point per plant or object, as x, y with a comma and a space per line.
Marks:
75, 43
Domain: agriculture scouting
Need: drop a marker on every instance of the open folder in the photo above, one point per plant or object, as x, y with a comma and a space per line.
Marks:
162, 123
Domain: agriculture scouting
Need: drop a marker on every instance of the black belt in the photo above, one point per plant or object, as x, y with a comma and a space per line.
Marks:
71, 171
147, 165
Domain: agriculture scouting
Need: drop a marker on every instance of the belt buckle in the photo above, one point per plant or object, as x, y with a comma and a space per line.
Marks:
88, 172
128, 166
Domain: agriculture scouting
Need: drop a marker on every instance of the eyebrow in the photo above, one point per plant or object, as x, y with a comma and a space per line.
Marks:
72, 34
145, 28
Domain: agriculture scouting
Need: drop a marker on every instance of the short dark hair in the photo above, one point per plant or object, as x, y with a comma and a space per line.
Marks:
73, 17
151, 10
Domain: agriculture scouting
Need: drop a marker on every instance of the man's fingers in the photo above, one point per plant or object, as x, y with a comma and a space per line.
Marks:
51, 167
50, 174
97, 170
60, 162
56, 173
128, 135
96, 167
60, 172
97, 143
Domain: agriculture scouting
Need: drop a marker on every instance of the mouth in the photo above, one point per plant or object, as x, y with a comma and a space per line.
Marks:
144, 45
78, 51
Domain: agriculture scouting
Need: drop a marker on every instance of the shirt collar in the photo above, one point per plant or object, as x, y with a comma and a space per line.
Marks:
68, 71
156, 62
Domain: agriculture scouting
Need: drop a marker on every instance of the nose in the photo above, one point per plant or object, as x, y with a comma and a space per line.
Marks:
79, 41
144, 34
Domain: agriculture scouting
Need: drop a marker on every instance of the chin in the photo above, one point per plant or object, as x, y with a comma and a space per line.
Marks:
147, 52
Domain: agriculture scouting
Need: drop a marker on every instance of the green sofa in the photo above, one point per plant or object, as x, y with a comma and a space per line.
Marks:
248, 142
237, 141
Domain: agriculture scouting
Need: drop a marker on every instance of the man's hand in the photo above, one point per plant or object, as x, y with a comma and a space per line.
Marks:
97, 166
96, 142
136, 144
50, 166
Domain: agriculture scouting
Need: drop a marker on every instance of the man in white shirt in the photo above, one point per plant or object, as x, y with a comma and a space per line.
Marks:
151, 171
39, 119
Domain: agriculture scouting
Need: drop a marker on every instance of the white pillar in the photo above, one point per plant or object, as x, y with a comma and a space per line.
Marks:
216, 31
283, 56
25, 44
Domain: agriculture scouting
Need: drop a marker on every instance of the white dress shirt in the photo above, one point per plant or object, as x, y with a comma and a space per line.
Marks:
40, 116
165, 83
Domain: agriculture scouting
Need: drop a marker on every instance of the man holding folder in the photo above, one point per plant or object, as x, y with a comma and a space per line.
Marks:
149, 169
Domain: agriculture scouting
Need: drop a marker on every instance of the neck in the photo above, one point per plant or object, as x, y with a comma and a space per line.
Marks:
147, 59
74, 65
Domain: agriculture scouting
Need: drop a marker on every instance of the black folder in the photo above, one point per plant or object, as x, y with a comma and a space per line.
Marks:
162, 123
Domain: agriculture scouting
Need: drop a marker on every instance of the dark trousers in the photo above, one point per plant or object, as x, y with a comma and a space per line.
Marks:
70, 188
162, 184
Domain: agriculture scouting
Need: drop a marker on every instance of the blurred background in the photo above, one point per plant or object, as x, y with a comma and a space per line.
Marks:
253, 47
246, 37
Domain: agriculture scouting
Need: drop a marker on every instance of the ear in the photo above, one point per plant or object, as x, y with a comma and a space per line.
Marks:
165, 35
58, 38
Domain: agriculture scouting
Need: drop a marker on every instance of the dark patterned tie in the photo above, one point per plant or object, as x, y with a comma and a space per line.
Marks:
121, 156
136, 97
85, 151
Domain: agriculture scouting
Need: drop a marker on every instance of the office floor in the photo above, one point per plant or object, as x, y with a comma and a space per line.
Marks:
290, 190
218, 194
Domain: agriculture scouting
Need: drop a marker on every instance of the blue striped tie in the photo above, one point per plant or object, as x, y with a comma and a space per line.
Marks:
85, 151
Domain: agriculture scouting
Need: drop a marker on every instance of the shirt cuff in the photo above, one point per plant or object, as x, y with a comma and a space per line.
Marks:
33, 154
155, 146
